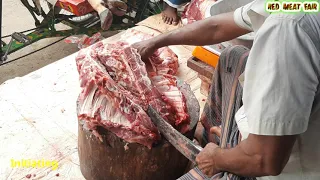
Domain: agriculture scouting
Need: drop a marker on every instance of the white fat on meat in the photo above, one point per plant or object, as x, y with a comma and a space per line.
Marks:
167, 86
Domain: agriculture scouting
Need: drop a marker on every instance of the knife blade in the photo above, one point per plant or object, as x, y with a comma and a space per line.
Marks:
184, 145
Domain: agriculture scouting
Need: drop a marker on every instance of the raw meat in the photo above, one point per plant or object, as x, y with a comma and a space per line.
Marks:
195, 10
164, 61
116, 91
167, 86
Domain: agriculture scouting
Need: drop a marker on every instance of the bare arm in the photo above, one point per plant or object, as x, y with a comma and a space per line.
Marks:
254, 157
266, 155
209, 31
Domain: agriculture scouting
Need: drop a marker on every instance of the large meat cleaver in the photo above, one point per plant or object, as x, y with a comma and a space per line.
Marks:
184, 145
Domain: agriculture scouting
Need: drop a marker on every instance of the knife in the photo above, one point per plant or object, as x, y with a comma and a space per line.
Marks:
184, 145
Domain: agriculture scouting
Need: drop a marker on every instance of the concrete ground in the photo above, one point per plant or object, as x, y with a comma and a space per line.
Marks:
17, 18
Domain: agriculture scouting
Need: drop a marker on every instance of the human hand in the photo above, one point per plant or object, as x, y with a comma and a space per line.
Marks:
205, 160
145, 48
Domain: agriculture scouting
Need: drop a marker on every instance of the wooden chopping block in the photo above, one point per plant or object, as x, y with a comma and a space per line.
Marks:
114, 159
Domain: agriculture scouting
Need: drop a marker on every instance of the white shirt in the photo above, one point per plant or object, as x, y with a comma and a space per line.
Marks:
281, 88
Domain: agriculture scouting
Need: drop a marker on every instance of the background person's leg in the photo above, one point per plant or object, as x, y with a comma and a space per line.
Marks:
104, 13
170, 13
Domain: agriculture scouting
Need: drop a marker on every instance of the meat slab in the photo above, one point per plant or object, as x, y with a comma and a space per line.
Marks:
196, 10
117, 89
163, 61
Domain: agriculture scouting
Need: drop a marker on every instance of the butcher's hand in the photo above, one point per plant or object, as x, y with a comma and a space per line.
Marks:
205, 159
145, 48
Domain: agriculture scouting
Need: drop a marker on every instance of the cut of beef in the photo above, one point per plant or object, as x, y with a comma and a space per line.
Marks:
196, 10
164, 61
167, 86
117, 89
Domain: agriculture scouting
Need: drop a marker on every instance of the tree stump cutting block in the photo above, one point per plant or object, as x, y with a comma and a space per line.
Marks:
114, 159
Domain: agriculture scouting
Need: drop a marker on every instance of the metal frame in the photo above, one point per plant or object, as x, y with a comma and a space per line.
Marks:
46, 28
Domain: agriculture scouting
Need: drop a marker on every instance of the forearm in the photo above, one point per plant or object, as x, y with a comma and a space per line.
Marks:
237, 161
256, 156
209, 31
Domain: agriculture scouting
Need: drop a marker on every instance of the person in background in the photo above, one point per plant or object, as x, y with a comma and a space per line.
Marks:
170, 14
106, 8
